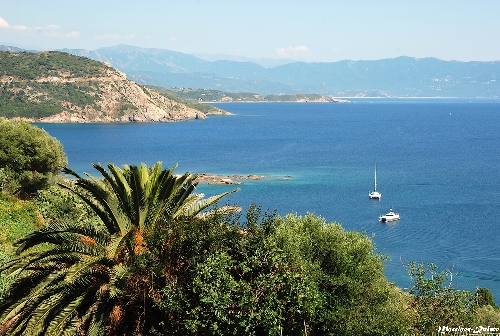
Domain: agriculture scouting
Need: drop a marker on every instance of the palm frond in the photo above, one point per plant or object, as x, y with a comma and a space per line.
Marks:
201, 205
66, 321
18, 305
219, 211
100, 208
122, 190
75, 274
40, 317
117, 245
67, 170
99, 317
119, 276
90, 242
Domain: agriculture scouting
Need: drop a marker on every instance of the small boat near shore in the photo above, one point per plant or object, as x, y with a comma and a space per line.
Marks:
375, 194
389, 217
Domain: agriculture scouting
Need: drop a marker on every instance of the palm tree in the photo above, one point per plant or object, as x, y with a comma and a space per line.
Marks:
79, 278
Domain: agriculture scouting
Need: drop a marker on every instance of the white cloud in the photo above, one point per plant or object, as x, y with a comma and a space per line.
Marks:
51, 30
73, 35
293, 51
174, 39
5, 25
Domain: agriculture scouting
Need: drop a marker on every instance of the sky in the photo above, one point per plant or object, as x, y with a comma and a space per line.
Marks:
305, 30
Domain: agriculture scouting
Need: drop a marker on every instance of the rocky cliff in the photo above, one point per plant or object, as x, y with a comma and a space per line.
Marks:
58, 87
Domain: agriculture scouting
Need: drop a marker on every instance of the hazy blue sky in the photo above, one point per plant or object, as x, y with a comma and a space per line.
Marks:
310, 30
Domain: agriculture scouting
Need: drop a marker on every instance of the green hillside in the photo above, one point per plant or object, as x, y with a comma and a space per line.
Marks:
30, 66
41, 85
23, 94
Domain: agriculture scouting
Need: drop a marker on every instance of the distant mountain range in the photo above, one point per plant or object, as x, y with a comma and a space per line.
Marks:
397, 77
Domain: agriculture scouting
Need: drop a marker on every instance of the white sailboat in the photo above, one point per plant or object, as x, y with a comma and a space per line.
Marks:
375, 194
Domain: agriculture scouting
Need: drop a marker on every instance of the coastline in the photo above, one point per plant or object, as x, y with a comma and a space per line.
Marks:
232, 179
333, 100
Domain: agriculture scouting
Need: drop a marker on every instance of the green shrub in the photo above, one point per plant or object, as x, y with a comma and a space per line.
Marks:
436, 302
30, 158
17, 219
291, 275
488, 316
57, 204
484, 297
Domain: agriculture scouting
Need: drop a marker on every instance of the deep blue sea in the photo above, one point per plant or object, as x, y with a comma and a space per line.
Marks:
438, 165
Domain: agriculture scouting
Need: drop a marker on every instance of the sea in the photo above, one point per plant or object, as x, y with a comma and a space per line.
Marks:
437, 159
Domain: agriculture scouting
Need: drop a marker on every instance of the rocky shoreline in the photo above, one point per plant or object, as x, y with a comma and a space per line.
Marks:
232, 179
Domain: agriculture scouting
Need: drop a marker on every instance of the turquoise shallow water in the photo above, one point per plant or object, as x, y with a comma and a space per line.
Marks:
437, 160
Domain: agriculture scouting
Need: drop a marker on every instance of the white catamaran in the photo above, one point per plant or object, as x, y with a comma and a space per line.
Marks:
375, 194
389, 217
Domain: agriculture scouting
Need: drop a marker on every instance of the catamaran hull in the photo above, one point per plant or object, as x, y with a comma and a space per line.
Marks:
388, 219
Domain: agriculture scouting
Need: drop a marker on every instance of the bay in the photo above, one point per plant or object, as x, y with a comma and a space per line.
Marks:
437, 165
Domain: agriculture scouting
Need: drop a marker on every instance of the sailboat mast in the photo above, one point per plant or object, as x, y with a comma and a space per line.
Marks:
375, 184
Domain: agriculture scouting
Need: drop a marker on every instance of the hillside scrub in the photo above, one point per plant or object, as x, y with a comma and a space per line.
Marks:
17, 219
31, 66
60, 87
28, 87
217, 275
90, 278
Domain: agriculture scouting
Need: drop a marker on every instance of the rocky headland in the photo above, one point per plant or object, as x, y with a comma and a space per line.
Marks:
55, 87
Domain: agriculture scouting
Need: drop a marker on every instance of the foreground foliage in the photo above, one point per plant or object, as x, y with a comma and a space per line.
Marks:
151, 261
30, 159
17, 219
437, 302
137, 252
85, 281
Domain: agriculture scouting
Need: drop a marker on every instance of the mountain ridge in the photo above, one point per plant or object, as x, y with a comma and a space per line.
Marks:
402, 76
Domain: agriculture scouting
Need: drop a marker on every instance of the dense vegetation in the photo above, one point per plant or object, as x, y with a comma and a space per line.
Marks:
38, 100
30, 159
138, 252
148, 259
30, 66
27, 91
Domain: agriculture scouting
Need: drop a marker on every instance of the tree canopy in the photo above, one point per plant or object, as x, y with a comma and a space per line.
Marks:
29, 157
138, 252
